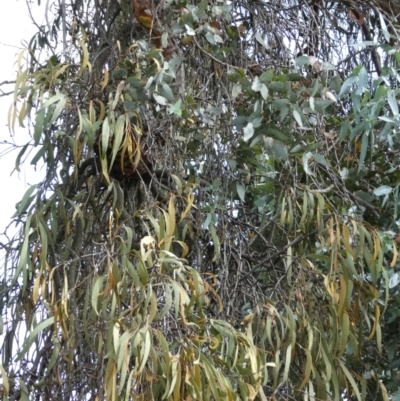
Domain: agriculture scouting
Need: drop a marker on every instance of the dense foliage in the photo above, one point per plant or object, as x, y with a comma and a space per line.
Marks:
219, 211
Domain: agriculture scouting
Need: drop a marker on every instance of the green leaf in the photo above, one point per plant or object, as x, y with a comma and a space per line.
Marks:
320, 159
387, 119
166, 91
347, 85
280, 103
234, 76
160, 99
260, 40
362, 81
19, 157
239, 121
277, 134
135, 82
58, 109
297, 117
105, 136
248, 131
351, 379
327, 66
344, 130
118, 138
306, 157
97, 286
336, 83
209, 37
39, 155
236, 90
39, 126
279, 151
383, 190
365, 43
241, 190
218, 39
256, 87
283, 114
267, 76
302, 60
277, 86
264, 91
120, 74
294, 76
176, 108
393, 102
32, 336
364, 149
25, 202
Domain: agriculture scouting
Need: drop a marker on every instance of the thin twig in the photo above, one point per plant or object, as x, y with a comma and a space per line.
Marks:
5, 93
7, 83
282, 250
211, 56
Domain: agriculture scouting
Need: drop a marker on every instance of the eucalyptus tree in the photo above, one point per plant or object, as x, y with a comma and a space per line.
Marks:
217, 215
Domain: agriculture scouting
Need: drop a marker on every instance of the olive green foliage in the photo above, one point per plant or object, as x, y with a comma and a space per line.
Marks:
218, 212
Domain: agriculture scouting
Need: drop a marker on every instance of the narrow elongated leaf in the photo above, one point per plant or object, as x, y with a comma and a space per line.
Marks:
393, 102
297, 117
97, 287
350, 379
32, 336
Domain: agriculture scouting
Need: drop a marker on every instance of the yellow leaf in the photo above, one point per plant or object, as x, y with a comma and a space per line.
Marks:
158, 64
190, 201
35, 292
377, 247
146, 21
102, 109
376, 321
342, 295
345, 325
172, 217
186, 40
379, 338
346, 240
384, 391
61, 70
214, 343
177, 386
331, 96
105, 80
85, 63
395, 255
6, 385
